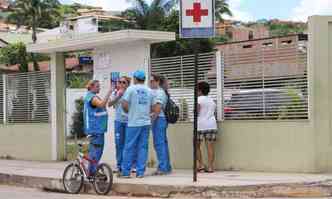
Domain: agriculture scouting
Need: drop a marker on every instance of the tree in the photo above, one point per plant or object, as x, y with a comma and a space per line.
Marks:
77, 128
34, 14
15, 54
65, 11
222, 8
149, 16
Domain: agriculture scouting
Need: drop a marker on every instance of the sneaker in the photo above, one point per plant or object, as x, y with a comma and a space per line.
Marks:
140, 176
133, 170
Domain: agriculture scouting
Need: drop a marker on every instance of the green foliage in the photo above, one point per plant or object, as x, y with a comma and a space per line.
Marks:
77, 80
66, 11
114, 25
221, 9
77, 6
38, 57
34, 14
77, 128
181, 47
15, 54
285, 29
41, 12
221, 39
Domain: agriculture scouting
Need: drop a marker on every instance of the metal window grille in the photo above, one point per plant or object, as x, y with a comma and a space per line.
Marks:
266, 83
180, 73
1, 98
28, 97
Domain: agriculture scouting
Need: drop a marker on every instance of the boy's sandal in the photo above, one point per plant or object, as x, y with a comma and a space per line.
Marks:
210, 171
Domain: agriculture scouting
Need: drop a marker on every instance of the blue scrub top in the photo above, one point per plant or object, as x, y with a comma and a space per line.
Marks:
161, 98
120, 114
140, 100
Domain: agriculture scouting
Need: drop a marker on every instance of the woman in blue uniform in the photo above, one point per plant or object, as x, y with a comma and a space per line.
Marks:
95, 122
159, 124
121, 118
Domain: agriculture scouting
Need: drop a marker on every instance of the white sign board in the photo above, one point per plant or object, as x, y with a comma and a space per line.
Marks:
197, 18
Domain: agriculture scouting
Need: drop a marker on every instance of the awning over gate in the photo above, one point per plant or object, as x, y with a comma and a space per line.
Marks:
92, 41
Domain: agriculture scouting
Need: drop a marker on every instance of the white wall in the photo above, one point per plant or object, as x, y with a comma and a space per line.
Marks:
85, 25
118, 58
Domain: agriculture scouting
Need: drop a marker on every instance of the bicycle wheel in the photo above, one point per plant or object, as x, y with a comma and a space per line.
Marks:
72, 178
103, 179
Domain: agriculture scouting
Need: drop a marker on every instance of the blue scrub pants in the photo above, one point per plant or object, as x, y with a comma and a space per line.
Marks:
96, 148
120, 132
136, 144
160, 142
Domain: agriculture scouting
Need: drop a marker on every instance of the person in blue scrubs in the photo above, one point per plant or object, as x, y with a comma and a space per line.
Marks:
95, 122
121, 118
137, 101
159, 125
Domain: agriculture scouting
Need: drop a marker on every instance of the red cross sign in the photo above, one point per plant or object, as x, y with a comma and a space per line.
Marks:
197, 19
197, 12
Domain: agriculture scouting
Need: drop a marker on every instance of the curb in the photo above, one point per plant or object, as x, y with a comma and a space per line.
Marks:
295, 190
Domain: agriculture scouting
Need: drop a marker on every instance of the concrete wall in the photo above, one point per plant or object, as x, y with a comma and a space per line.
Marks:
26, 141
320, 70
251, 146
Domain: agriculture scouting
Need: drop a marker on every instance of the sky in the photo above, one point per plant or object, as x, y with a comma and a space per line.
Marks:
247, 10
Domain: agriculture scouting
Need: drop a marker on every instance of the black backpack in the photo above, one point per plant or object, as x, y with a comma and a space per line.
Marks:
172, 111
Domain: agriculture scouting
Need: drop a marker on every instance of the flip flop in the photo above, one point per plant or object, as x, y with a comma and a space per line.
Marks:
201, 170
209, 171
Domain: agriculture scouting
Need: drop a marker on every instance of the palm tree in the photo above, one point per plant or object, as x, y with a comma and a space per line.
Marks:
149, 16
222, 8
34, 14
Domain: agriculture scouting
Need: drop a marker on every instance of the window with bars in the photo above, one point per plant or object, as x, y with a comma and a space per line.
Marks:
266, 83
28, 97
180, 73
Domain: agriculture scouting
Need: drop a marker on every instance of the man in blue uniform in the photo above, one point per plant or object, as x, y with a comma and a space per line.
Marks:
137, 101
95, 122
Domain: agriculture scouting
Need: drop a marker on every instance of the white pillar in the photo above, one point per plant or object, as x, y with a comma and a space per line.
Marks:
58, 106
220, 84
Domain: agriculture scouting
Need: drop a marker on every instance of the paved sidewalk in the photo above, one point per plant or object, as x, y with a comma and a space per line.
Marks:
227, 184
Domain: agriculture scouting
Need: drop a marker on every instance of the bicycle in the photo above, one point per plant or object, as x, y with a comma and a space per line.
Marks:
76, 173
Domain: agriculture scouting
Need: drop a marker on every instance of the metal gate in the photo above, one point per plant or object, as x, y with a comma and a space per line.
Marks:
180, 73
